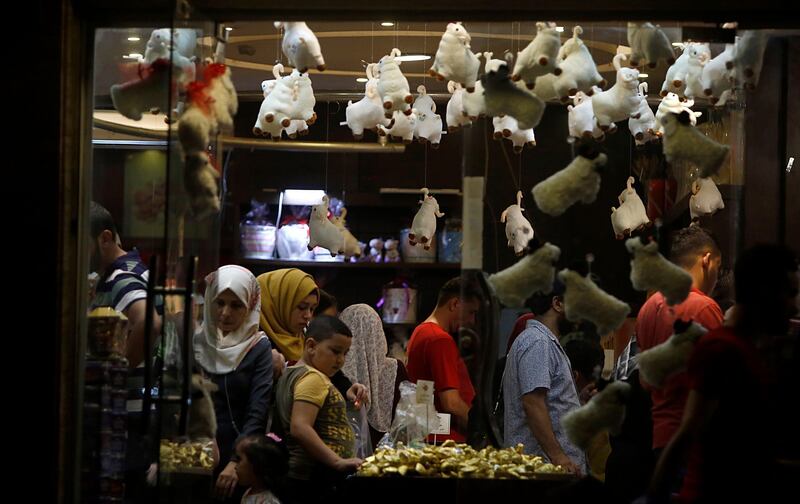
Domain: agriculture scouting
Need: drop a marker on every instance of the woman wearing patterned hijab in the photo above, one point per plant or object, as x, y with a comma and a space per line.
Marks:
237, 357
367, 363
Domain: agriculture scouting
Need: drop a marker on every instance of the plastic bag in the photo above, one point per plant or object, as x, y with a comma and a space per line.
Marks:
412, 421
360, 425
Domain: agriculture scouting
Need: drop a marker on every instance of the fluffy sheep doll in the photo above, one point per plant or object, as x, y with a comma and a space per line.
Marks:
649, 43
682, 142
579, 71
533, 273
651, 271
393, 85
454, 59
503, 97
300, 46
322, 231
621, 101
604, 412
423, 227
631, 214
519, 230
705, 199
579, 181
456, 118
671, 357
584, 300
539, 57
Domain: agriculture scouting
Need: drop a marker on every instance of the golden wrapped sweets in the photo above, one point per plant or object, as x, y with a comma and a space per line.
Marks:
175, 456
453, 460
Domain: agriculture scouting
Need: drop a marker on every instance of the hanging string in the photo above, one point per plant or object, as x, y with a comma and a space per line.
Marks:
519, 173
278, 42
372, 43
508, 163
327, 139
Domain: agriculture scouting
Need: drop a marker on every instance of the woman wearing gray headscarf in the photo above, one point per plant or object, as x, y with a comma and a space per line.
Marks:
367, 363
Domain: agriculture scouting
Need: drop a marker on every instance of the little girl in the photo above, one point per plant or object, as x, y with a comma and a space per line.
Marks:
263, 463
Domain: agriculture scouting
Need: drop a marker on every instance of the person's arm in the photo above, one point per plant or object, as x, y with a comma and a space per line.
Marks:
696, 414
450, 401
134, 350
304, 414
538, 417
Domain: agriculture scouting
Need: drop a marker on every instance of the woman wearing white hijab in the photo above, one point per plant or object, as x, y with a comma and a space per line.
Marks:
237, 357
367, 363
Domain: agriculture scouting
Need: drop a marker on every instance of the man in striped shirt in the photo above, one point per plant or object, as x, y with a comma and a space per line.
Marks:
123, 281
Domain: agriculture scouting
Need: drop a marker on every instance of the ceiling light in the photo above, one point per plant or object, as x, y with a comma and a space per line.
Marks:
362, 79
387, 24
677, 44
228, 28
559, 29
303, 197
413, 57
643, 76
133, 56
134, 39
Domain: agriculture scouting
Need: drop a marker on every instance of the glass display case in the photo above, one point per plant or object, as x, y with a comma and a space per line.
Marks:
243, 189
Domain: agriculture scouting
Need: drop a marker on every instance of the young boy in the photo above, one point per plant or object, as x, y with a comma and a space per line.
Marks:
313, 412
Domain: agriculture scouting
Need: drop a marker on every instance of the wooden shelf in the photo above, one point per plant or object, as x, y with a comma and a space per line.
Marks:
281, 263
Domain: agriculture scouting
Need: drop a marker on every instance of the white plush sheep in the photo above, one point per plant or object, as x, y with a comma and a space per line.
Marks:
401, 126
176, 45
579, 181
531, 274
224, 101
454, 59
579, 72
675, 80
705, 199
474, 104
428, 127
279, 105
631, 214
393, 85
322, 231
604, 412
649, 43
699, 55
672, 103
644, 127
519, 230
423, 228
539, 57
507, 127
367, 113
304, 100
718, 75
750, 57
621, 101
352, 247
652, 271
194, 129
584, 300
301, 46
682, 142
456, 118
671, 357
503, 97
296, 128
581, 118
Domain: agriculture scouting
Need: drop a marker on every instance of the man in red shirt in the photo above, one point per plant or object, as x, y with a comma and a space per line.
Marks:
728, 428
433, 354
694, 250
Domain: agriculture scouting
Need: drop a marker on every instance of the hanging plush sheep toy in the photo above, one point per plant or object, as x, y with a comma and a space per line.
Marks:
519, 230
352, 247
649, 43
584, 300
454, 59
503, 97
580, 118
652, 271
604, 412
579, 181
539, 57
533, 273
631, 215
428, 127
683, 142
423, 228
507, 127
621, 101
456, 117
367, 113
705, 199
393, 85
300, 46
644, 127
671, 357
322, 231
579, 71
